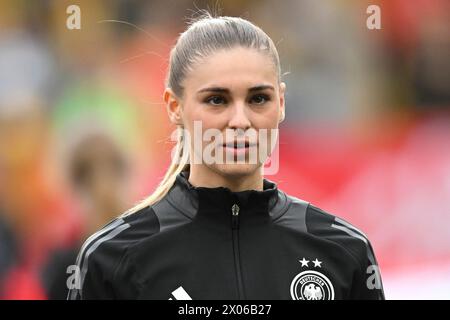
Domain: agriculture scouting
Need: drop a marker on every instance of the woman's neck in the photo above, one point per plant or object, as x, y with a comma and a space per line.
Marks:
202, 176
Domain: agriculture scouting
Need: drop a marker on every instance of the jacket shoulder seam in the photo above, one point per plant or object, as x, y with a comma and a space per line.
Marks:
353, 255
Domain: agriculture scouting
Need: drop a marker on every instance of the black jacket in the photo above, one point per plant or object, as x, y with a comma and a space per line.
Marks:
211, 243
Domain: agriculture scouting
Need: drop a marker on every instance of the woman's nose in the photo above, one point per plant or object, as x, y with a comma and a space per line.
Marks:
239, 118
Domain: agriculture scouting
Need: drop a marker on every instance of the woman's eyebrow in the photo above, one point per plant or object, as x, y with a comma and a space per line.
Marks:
214, 89
225, 90
261, 87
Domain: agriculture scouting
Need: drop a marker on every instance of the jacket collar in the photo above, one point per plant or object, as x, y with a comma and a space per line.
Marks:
188, 199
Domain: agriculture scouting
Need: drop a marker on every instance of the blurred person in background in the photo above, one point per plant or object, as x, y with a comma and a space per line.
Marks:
93, 132
98, 173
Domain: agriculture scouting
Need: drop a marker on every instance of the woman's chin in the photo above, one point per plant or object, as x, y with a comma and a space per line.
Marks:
236, 169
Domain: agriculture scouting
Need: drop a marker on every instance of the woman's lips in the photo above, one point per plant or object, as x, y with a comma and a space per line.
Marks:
239, 144
238, 148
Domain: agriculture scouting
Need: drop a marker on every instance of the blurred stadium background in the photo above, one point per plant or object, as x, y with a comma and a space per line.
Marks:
84, 133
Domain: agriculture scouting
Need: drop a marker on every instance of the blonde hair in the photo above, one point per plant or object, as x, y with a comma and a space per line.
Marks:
204, 36
180, 162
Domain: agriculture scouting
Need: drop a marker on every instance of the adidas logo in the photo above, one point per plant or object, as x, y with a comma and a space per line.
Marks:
180, 294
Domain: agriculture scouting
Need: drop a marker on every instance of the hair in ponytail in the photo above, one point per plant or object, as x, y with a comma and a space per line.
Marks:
180, 162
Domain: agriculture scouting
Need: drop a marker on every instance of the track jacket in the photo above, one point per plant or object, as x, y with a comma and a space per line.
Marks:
211, 243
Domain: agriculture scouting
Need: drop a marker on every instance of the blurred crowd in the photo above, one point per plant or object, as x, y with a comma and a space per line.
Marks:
84, 133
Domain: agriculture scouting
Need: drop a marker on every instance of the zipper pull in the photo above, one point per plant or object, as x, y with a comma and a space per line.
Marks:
235, 216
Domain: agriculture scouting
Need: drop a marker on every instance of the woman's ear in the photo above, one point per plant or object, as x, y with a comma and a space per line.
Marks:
282, 102
173, 106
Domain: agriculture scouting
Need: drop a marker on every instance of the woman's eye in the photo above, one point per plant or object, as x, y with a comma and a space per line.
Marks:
259, 99
215, 100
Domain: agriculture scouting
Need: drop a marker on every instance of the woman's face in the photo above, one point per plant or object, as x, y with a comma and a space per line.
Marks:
228, 98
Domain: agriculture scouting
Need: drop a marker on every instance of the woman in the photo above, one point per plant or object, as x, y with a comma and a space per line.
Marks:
215, 228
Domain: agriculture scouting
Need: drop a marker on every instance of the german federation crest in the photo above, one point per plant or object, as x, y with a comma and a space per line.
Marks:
311, 284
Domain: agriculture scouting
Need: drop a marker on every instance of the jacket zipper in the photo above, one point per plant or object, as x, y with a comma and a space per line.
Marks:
237, 261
